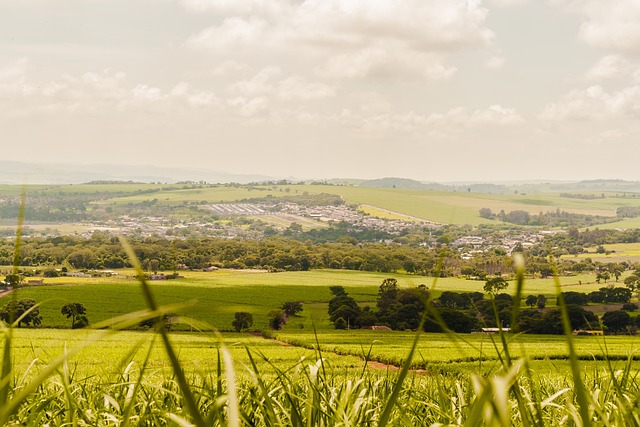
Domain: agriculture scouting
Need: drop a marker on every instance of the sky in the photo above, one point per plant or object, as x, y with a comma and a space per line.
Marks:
432, 90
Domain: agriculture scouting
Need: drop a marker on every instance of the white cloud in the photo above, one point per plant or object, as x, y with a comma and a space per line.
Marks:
249, 107
234, 34
13, 78
454, 122
267, 82
387, 61
351, 38
259, 83
614, 67
611, 25
96, 92
594, 103
493, 115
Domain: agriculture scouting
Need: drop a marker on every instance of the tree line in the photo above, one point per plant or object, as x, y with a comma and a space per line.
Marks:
464, 312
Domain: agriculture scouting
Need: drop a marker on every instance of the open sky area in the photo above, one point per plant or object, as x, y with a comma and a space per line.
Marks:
434, 90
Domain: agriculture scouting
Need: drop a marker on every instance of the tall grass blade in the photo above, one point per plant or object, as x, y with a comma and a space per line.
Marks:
579, 388
7, 363
189, 399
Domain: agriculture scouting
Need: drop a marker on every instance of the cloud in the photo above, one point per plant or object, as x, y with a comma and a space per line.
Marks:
453, 122
13, 78
102, 92
267, 82
613, 26
493, 115
387, 61
594, 103
387, 39
614, 67
248, 107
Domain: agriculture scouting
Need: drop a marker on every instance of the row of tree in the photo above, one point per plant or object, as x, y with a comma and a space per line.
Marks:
26, 311
401, 309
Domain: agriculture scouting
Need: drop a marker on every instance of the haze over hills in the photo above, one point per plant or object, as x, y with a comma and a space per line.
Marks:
59, 173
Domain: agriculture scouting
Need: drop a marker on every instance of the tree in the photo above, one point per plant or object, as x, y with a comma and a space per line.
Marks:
14, 309
77, 313
541, 301
13, 279
616, 321
242, 320
292, 308
495, 284
531, 301
277, 319
486, 213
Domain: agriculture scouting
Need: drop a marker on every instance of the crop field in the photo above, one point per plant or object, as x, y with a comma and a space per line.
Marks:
214, 297
359, 367
106, 353
436, 349
618, 252
437, 206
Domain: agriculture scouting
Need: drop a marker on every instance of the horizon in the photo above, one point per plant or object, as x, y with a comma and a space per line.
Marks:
73, 173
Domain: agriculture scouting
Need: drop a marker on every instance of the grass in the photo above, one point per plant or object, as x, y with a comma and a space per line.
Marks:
214, 297
203, 392
618, 252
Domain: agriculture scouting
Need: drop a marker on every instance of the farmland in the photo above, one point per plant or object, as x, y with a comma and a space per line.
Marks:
213, 297
379, 233
437, 206
445, 207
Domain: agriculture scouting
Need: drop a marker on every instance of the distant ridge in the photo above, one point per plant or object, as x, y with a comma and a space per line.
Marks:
410, 184
407, 184
58, 173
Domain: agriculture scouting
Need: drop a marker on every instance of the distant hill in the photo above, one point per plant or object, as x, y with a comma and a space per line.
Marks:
410, 184
58, 173
591, 186
404, 183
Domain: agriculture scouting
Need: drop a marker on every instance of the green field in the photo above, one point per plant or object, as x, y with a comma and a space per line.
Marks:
358, 367
437, 206
214, 297
618, 252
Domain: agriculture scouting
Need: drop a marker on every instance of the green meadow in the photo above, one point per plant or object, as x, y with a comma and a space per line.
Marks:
214, 297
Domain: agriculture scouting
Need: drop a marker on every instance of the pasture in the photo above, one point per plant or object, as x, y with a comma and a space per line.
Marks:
214, 297
617, 252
